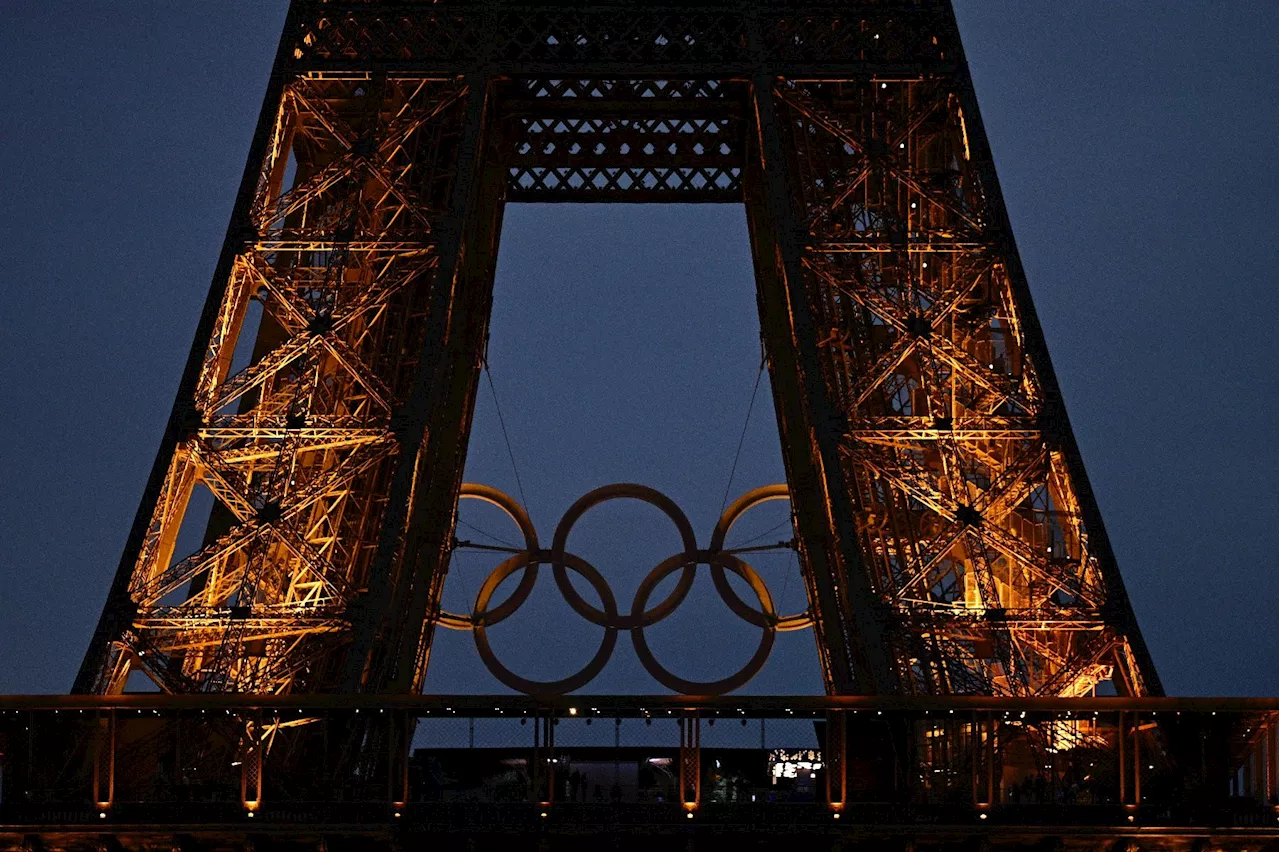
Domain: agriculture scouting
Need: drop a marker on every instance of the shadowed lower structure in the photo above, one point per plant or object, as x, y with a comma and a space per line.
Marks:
221, 772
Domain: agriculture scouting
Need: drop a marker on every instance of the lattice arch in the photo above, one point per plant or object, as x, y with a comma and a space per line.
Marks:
949, 538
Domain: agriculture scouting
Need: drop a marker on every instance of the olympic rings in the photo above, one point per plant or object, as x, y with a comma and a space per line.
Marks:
734, 681
533, 687
607, 615
617, 492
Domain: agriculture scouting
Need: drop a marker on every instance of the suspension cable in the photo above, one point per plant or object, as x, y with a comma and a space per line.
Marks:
743, 437
515, 468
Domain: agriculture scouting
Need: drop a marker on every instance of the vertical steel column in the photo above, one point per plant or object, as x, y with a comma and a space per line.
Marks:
390, 624
1257, 769
251, 764
1137, 761
1129, 734
542, 774
1261, 759
1121, 736
690, 760
977, 752
399, 735
104, 759
834, 759
431, 528
993, 790
851, 632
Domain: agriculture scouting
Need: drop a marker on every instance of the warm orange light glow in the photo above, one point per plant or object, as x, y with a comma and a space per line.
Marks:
942, 481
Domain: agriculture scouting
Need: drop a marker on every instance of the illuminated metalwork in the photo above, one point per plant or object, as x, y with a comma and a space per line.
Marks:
949, 538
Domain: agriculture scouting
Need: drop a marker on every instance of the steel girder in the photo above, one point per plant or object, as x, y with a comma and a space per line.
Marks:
950, 540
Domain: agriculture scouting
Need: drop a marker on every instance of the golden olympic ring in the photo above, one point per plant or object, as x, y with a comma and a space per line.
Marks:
733, 681
737, 509
624, 491
481, 621
607, 615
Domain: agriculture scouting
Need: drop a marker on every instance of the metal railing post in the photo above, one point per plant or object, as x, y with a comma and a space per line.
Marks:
833, 759
1120, 763
690, 760
104, 760
251, 765
542, 776
398, 743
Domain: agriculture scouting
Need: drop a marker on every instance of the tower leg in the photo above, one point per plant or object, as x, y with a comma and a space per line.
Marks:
392, 631
808, 422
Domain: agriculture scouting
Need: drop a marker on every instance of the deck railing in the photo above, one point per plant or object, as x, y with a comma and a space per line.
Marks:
744, 761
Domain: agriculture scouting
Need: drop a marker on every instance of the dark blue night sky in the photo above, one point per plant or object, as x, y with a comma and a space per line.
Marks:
1135, 144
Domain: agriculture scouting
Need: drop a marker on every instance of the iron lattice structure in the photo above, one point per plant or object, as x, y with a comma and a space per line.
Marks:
949, 537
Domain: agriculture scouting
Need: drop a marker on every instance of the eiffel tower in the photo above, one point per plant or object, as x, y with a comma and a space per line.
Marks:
949, 539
